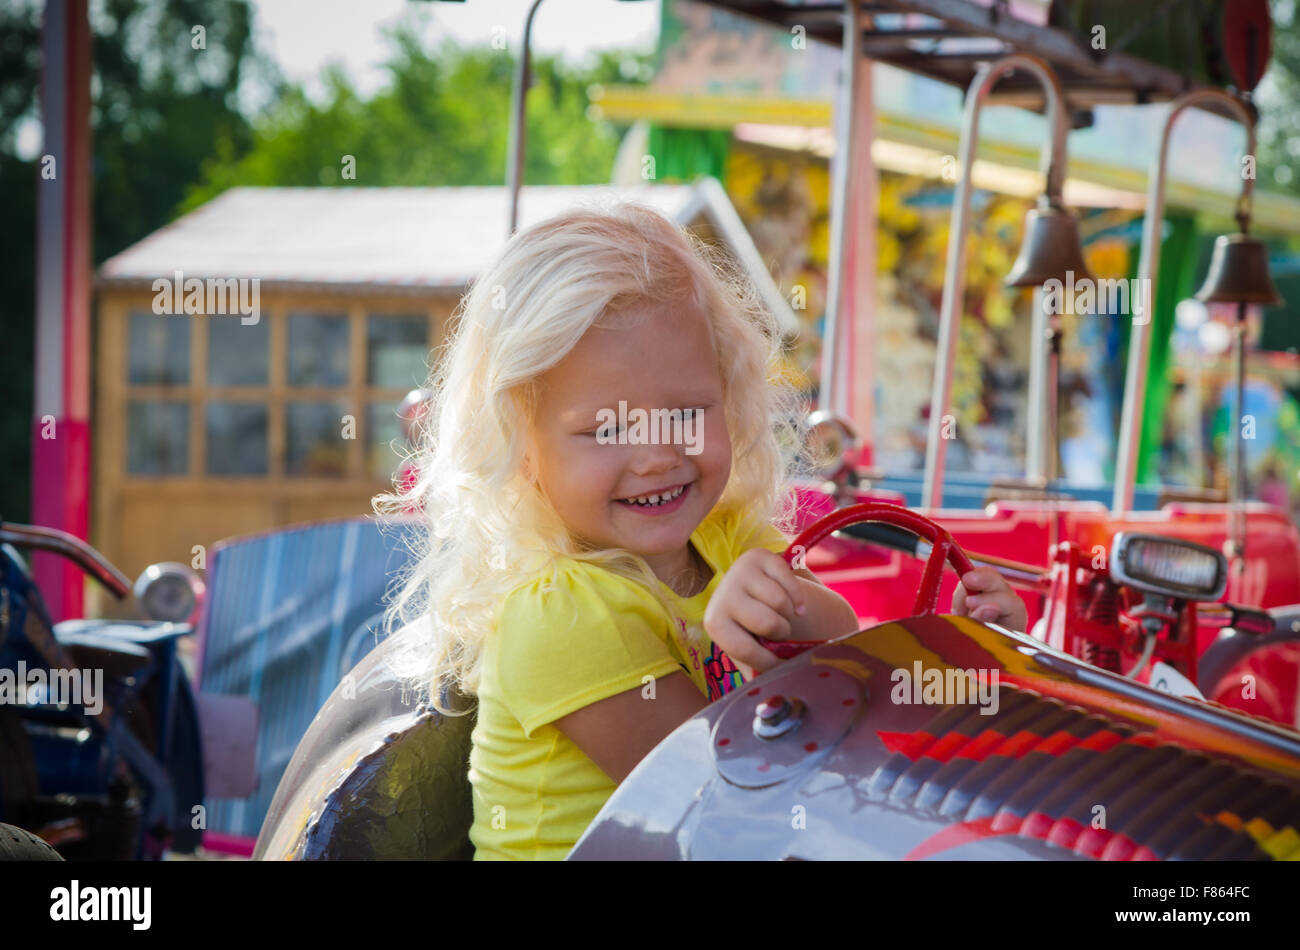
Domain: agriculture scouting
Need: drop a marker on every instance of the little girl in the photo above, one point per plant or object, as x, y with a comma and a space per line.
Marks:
592, 583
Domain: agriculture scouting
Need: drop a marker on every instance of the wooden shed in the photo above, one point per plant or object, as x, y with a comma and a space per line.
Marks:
211, 420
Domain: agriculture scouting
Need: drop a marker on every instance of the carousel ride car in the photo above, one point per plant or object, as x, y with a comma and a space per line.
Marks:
925, 737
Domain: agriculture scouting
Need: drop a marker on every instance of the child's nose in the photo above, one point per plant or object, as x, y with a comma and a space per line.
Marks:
653, 458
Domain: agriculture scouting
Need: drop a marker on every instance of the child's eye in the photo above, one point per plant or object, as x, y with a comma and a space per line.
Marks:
612, 432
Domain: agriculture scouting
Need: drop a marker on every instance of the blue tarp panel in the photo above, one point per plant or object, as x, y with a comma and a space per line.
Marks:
290, 612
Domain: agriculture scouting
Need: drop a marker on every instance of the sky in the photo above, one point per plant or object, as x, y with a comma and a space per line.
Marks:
304, 35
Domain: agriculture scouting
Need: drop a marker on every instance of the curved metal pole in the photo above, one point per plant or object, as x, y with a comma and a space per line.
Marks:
829, 396
954, 285
1036, 411
69, 546
518, 131
1236, 547
1139, 344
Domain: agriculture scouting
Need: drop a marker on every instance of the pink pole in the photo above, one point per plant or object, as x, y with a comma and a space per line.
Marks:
61, 423
860, 373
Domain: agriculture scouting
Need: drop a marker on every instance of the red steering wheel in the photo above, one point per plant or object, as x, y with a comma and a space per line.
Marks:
943, 548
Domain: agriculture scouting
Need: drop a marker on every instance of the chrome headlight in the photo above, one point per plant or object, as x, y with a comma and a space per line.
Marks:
1169, 566
169, 592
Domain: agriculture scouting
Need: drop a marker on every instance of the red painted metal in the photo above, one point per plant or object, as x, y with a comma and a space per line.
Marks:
61, 416
1070, 542
943, 551
221, 843
880, 583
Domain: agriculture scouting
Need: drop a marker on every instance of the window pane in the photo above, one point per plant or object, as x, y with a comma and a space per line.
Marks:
314, 441
384, 440
397, 347
318, 349
237, 352
158, 348
157, 438
236, 438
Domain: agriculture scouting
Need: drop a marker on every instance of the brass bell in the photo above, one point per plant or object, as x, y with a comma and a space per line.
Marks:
1050, 249
1239, 273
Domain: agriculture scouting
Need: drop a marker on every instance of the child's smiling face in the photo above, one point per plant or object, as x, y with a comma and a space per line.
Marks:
660, 359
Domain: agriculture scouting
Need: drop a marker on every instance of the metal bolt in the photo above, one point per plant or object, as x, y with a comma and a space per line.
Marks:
773, 710
776, 716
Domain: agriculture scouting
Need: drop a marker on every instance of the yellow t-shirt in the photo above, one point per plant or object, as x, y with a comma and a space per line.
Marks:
590, 636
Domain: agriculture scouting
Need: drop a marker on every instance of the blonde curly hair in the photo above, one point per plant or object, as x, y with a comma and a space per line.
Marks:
489, 528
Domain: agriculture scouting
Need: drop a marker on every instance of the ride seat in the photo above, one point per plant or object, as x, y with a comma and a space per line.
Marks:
1177, 494
118, 658
376, 777
1019, 490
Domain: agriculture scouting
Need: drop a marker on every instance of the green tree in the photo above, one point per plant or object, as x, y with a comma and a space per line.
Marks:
1279, 130
19, 77
443, 119
158, 108
163, 105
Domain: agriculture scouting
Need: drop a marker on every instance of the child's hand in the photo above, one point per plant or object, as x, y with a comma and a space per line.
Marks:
759, 595
991, 600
